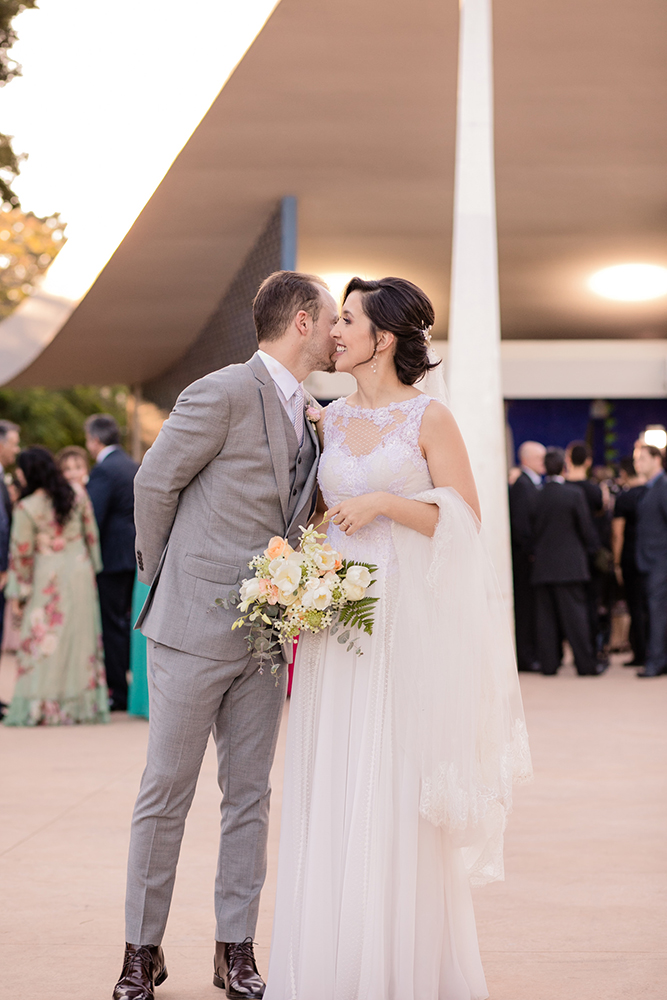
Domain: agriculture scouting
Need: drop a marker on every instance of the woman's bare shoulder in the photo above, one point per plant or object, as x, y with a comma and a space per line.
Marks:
438, 418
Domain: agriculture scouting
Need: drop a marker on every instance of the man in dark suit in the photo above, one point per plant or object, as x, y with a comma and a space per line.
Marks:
578, 462
523, 494
9, 449
111, 489
652, 555
624, 548
563, 537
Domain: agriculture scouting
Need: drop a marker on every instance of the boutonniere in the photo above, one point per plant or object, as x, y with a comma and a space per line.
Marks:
313, 414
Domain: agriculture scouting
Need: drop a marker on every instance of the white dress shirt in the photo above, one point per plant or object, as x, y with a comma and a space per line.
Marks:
106, 451
290, 392
535, 477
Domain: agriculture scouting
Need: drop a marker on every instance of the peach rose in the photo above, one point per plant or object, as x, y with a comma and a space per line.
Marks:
277, 547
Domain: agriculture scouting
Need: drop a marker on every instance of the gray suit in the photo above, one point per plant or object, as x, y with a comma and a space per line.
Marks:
225, 474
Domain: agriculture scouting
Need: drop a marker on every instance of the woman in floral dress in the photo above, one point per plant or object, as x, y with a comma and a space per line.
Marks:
54, 556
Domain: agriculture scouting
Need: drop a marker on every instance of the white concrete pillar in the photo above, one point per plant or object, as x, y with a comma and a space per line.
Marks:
473, 368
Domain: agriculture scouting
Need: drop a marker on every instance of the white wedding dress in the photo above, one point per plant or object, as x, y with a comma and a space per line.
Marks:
400, 761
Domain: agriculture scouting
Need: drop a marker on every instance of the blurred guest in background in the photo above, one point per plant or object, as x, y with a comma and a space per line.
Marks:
651, 548
53, 560
111, 489
523, 494
9, 449
137, 699
10, 634
624, 537
578, 462
563, 538
73, 463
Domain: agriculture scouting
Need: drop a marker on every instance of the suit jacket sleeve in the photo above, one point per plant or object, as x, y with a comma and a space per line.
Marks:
5, 528
191, 438
663, 499
521, 510
99, 490
585, 526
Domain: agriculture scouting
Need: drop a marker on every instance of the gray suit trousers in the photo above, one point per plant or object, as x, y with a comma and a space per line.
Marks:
190, 696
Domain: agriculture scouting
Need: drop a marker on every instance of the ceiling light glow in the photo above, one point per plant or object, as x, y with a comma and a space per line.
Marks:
337, 281
630, 282
656, 435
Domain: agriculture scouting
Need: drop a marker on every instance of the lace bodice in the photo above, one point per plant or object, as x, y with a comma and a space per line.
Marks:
367, 451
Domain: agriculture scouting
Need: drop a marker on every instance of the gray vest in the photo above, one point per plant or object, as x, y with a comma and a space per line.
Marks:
300, 459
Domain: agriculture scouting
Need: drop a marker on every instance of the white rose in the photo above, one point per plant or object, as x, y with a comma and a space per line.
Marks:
318, 597
287, 577
358, 575
353, 591
285, 600
325, 559
250, 589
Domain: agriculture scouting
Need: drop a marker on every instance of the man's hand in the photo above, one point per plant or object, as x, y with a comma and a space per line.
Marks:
3, 580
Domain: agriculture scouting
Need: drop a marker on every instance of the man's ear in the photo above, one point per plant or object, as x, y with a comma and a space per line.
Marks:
303, 322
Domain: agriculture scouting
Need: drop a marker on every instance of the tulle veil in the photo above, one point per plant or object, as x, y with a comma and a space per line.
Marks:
460, 715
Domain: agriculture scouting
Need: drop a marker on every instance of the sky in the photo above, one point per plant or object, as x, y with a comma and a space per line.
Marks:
108, 97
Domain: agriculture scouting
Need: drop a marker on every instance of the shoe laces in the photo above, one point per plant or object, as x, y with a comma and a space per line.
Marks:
138, 961
245, 949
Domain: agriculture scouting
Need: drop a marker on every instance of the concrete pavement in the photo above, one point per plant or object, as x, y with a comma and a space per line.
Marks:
581, 915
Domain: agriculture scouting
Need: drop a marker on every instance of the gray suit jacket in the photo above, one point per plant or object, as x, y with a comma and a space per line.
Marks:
210, 493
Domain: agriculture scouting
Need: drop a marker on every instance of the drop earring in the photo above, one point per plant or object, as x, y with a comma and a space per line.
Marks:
374, 364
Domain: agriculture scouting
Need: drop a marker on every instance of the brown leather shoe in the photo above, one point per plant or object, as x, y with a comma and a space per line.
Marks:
143, 968
235, 971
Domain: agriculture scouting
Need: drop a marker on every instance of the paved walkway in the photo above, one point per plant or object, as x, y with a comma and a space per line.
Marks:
581, 915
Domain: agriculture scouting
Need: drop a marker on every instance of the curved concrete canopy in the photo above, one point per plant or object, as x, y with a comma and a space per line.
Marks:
351, 107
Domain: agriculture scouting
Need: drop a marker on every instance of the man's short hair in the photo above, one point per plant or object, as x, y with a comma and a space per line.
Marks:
6, 426
103, 428
652, 450
579, 452
280, 297
554, 461
627, 465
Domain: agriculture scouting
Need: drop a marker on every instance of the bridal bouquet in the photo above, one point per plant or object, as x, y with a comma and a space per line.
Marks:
304, 590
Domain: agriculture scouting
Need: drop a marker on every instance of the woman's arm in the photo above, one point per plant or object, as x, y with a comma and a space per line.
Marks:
447, 455
21, 560
617, 539
90, 533
356, 513
443, 448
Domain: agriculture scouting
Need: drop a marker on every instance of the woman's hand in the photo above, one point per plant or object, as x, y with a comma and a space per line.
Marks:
16, 612
356, 513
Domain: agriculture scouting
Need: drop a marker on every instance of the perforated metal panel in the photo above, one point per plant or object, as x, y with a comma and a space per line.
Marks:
229, 335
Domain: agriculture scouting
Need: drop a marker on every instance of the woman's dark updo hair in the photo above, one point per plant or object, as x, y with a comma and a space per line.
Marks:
41, 472
401, 308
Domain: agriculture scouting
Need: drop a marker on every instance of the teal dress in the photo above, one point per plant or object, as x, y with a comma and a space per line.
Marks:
137, 703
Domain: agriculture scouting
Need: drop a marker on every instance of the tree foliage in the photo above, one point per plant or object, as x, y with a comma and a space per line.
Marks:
9, 69
28, 245
54, 418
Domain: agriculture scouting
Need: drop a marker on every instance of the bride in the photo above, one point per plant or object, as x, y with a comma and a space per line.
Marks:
400, 761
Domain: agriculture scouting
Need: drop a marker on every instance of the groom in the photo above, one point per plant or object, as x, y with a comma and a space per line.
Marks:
233, 465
